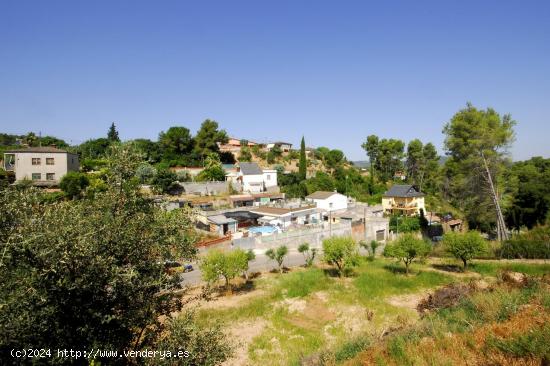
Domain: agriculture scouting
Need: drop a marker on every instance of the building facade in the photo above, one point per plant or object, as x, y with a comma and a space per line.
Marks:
403, 199
43, 165
329, 201
254, 179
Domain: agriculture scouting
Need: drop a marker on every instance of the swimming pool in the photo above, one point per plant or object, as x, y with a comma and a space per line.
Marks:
264, 230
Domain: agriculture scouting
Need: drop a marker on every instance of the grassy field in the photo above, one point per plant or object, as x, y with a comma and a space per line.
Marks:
310, 314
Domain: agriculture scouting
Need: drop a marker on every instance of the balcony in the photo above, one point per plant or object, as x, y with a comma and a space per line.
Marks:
9, 162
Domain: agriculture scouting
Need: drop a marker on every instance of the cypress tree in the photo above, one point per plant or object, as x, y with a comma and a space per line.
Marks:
303, 162
112, 135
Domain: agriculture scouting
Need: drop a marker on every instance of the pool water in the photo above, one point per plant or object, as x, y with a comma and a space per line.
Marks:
263, 229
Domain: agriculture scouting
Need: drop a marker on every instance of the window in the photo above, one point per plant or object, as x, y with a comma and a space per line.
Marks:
49, 161
330, 204
268, 177
50, 176
35, 161
36, 176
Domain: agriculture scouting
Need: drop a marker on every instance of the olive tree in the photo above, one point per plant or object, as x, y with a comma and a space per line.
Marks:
407, 248
204, 346
464, 246
308, 253
226, 264
341, 251
89, 273
278, 255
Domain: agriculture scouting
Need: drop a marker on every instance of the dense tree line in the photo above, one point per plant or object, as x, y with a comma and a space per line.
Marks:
175, 146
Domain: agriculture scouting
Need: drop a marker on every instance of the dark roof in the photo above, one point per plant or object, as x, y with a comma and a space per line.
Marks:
321, 195
39, 149
403, 190
242, 215
220, 219
250, 169
281, 143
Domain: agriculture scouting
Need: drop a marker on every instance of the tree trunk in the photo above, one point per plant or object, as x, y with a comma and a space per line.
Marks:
339, 269
227, 287
465, 264
502, 232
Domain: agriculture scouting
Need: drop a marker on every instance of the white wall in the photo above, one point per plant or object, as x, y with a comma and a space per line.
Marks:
253, 183
270, 177
333, 203
62, 163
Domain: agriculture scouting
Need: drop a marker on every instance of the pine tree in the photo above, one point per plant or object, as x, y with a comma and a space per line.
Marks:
112, 135
303, 161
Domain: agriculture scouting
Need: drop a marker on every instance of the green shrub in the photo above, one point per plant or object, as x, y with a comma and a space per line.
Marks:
532, 245
73, 183
352, 348
404, 224
204, 345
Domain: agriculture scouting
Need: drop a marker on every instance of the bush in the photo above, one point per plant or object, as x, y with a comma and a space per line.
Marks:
145, 173
534, 244
164, 181
406, 224
205, 346
73, 183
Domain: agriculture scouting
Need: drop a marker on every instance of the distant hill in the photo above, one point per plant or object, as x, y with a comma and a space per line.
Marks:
361, 164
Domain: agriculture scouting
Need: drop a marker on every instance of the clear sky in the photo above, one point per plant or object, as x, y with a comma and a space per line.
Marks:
335, 71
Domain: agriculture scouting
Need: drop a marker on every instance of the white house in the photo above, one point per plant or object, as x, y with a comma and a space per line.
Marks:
284, 146
43, 165
285, 217
329, 201
254, 179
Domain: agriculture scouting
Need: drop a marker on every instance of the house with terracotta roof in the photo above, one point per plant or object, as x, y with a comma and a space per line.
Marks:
403, 199
233, 144
45, 166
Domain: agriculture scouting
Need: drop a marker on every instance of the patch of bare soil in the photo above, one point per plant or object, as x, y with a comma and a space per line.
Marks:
313, 314
230, 300
245, 333
353, 319
409, 301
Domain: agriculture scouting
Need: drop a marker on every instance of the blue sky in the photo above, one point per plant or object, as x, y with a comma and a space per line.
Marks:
335, 71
